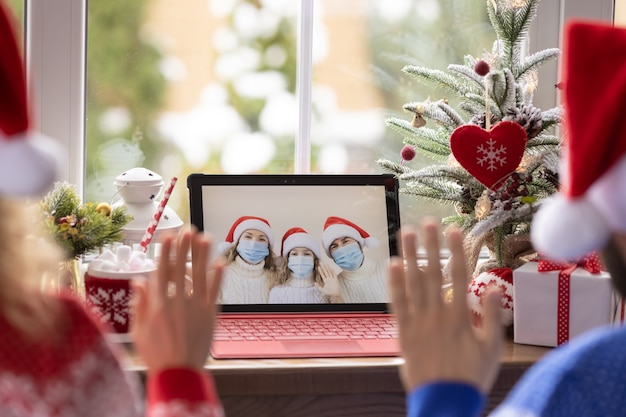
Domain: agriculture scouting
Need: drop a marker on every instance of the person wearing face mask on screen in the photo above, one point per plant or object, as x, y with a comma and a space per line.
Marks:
250, 264
302, 278
361, 280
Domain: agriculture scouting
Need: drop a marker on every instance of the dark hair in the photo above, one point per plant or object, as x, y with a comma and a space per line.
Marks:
614, 261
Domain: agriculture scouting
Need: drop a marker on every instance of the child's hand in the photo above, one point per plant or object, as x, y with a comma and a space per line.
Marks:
174, 331
331, 283
437, 339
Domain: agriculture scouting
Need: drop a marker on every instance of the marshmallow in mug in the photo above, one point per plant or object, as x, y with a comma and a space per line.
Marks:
125, 259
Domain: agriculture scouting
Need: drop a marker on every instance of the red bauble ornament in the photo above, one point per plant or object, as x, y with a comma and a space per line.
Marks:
481, 67
502, 279
489, 156
407, 153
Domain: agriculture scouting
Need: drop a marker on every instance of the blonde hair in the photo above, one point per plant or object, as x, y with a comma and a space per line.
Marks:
283, 274
27, 257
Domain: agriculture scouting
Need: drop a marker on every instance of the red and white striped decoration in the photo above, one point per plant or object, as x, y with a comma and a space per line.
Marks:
147, 237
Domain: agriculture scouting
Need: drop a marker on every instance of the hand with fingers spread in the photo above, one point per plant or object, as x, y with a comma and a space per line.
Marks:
173, 329
437, 339
330, 286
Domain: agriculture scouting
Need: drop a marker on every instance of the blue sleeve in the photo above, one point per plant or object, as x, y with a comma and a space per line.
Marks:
449, 399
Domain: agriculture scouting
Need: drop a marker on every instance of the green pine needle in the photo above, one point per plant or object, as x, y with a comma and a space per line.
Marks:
437, 78
536, 60
469, 74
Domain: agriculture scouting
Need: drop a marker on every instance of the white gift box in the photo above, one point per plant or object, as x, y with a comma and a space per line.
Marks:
535, 304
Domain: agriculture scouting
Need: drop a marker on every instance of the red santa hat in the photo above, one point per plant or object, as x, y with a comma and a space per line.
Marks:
336, 227
28, 161
241, 225
592, 201
297, 237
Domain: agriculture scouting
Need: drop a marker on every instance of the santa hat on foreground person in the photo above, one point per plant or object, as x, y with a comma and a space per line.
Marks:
336, 227
297, 237
592, 201
29, 162
241, 225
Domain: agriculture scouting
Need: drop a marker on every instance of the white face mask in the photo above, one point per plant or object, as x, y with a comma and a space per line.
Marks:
300, 266
252, 251
349, 257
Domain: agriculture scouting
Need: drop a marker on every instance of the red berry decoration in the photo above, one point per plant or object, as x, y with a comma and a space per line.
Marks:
481, 68
407, 153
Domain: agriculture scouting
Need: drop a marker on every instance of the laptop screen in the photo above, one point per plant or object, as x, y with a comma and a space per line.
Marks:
299, 242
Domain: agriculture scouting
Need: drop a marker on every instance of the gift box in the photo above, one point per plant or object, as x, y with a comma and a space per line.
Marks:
555, 306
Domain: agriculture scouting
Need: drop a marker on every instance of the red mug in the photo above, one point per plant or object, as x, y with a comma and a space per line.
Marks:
108, 295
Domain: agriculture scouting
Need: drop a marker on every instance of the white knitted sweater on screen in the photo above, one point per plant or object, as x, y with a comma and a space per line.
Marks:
297, 291
368, 284
244, 283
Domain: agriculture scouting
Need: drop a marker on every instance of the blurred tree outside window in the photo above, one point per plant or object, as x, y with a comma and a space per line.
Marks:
210, 85
18, 10
620, 13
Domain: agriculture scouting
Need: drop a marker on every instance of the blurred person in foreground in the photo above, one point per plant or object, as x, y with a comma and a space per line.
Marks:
54, 357
450, 366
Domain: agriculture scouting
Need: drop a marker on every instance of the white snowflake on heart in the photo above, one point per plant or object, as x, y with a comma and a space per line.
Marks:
491, 155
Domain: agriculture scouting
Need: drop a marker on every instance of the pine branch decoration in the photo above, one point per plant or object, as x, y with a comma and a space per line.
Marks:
80, 228
536, 60
511, 21
439, 79
468, 72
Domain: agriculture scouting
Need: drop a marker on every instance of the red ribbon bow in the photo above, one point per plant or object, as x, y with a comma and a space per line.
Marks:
591, 263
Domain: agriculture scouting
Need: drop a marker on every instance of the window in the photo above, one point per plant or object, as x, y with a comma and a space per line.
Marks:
212, 86
620, 13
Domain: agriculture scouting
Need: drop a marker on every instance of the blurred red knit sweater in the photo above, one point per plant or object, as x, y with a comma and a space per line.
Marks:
82, 376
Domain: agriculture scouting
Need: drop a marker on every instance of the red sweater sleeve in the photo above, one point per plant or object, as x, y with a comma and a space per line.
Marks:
182, 392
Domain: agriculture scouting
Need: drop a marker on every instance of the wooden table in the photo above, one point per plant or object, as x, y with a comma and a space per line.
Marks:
335, 386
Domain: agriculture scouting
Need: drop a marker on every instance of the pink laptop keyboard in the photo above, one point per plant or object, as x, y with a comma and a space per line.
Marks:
306, 328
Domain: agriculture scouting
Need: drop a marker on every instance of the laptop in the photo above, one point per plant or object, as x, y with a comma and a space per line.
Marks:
324, 207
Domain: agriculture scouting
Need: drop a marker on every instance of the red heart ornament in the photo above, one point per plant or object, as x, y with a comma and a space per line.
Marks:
489, 156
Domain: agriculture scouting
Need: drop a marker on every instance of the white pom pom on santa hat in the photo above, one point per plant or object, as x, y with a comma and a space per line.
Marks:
296, 237
500, 278
242, 224
592, 201
565, 230
336, 227
28, 165
29, 162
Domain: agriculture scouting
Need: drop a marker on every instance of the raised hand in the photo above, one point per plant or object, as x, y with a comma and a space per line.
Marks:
331, 283
437, 339
174, 329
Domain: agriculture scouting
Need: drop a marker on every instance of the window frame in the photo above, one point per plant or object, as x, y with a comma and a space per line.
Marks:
56, 36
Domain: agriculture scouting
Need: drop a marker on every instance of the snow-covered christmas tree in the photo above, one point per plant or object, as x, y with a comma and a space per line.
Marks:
497, 153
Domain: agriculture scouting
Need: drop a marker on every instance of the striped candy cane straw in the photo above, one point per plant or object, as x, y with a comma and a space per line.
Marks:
147, 237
